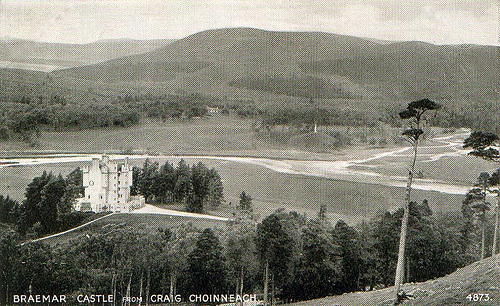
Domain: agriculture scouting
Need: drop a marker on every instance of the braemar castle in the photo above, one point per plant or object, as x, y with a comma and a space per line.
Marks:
107, 187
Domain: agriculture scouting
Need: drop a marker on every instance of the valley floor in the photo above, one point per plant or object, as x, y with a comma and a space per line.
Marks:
354, 183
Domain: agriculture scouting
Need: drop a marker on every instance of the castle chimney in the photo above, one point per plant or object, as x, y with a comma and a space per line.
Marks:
95, 163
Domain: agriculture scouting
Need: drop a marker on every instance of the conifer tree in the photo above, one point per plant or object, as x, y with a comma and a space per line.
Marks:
476, 199
414, 115
350, 252
51, 204
164, 184
146, 179
274, 248
240, 252
215, 190
206, 272
245, 203
484, 145
30, 207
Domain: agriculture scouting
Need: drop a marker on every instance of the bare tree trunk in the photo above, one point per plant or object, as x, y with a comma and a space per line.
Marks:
128, 289
483, 240
404, 226
237, 287
148, 283
172, 284
113, 285
495, 234
273, 291
241, 285
266, 283
140, 287
407, 269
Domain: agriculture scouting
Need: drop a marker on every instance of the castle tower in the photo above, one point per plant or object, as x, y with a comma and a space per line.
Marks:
107, 186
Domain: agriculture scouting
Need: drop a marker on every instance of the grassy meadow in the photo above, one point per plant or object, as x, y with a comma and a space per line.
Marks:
141, 223
218, 135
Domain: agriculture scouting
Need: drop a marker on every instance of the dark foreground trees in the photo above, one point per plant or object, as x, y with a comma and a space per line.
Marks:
206, 272
286, 255
475, 205
48, 204
484, 145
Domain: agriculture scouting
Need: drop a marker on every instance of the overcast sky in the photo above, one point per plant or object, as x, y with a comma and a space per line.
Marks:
72, 21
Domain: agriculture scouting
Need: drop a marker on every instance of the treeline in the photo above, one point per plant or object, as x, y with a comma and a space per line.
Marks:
24, 117
169, 106
25, 120
47, 207
197, 187
306, 117
285, 256
476, 115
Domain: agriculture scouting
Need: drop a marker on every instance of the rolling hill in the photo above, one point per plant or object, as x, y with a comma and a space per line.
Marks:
253, 62
16, 83
41, 56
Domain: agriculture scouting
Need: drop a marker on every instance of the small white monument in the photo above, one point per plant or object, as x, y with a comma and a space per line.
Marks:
107, 187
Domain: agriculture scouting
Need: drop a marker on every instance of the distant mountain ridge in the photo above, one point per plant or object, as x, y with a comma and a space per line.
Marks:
20, 53
248, 61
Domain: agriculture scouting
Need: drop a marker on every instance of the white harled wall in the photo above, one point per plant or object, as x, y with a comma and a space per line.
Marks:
107, 186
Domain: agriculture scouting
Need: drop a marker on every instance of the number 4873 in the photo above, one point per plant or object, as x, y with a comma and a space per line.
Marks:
476, 297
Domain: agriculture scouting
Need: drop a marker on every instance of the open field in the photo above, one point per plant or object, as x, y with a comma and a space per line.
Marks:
141, 223
219, 135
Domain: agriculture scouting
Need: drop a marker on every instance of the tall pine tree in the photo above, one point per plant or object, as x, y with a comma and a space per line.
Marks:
206, 273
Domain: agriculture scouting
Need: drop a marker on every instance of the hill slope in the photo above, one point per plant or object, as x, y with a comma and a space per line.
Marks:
482, 277
304, 64
26, 54
16, 83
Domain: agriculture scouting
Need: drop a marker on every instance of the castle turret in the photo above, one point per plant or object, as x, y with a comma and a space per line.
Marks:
107, 186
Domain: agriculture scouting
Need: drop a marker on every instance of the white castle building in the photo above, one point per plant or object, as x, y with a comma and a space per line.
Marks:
107, 187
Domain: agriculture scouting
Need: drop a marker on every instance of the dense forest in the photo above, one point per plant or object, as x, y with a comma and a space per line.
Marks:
304, 257
196, 187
